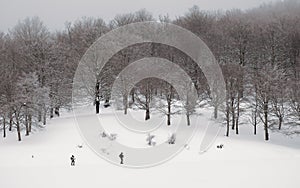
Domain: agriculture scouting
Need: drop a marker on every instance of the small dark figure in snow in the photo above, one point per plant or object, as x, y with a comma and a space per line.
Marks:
72, 160
121, 157
32, 156
106, 103
220, 146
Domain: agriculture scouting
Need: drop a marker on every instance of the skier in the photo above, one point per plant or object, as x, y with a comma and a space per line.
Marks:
121, 157
72, 160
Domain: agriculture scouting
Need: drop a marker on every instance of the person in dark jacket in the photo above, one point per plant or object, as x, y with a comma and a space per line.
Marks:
121, 157
72, 160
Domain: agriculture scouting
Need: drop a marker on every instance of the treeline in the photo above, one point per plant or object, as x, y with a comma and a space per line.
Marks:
258, 51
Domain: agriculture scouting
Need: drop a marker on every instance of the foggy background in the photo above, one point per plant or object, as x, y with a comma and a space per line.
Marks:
55, 13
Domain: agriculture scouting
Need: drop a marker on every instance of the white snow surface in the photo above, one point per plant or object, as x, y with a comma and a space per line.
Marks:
43, 160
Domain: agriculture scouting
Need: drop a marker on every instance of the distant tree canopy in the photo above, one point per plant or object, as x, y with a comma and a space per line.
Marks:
258, 51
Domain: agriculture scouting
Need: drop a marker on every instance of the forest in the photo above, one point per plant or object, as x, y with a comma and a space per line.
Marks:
258, 51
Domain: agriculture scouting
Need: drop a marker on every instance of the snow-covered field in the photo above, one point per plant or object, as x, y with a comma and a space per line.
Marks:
43, 160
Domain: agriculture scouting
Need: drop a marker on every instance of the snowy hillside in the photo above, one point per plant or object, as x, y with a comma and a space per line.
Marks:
43, 160
203, 98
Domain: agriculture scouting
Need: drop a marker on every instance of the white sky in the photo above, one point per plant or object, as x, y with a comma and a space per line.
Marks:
55, 13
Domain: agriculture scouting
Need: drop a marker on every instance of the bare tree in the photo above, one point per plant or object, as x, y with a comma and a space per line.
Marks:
167, 101
143, 96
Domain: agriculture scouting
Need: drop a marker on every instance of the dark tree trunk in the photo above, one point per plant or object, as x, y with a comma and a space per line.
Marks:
255, 118
266, 134
241, 77
188, 119
216, 112
280, 122
26, 122
147, 117
125, 103
266, 120
227, 129
169, 113
56, 111
4, 127
26, 125
125, 110
232, 113
97, 106
10, 121
45, 117
147, 96
51, 113
132, 96
18, 128
237, 126
240, 86
227, 119
97, 97
237, 115
255, 111
40, 115
240, 82
30, 121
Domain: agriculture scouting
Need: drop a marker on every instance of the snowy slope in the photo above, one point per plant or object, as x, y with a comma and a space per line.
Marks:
42, 160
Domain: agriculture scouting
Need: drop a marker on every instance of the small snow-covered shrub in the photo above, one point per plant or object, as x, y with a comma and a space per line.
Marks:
171, 139
111, 136
103, 134
150, 140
